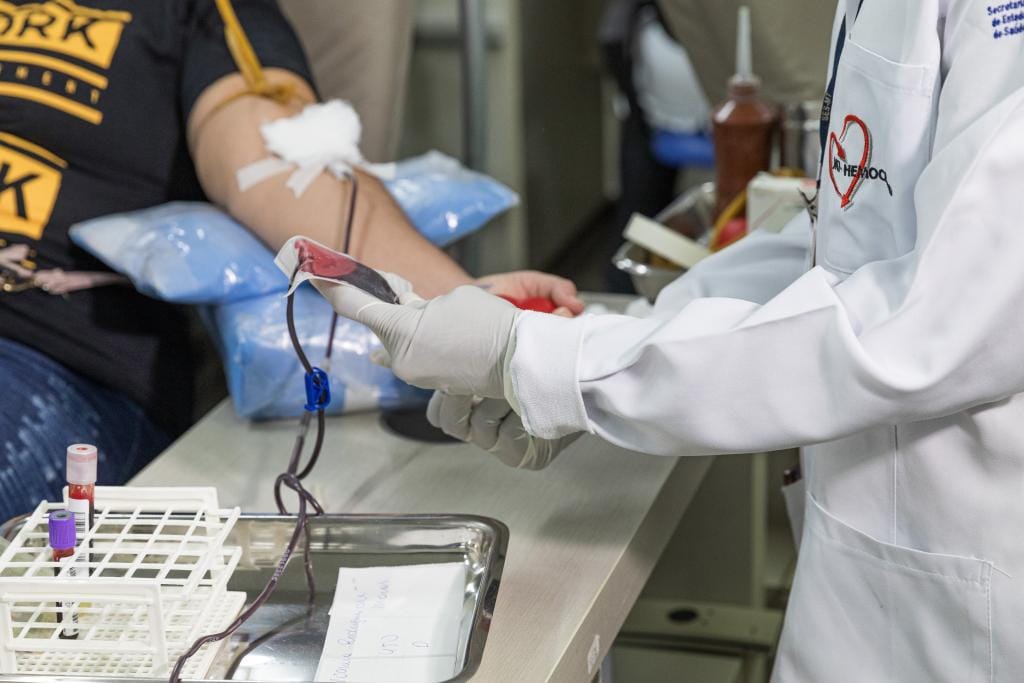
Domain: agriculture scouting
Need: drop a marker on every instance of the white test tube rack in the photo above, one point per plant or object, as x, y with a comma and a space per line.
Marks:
155, 579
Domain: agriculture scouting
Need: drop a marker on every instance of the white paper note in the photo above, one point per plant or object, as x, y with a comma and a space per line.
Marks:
394, 624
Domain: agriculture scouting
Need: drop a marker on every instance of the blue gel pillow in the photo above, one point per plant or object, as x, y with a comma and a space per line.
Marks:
264, 376
184, 252
445, 200
194, 253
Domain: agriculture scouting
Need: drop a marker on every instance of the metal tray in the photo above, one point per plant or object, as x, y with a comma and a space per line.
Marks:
283, 640
694, 209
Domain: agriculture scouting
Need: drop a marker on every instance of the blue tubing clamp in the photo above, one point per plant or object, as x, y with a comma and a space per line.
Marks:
318, 390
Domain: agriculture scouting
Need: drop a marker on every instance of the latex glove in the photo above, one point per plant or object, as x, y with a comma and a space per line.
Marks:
457, 342
492, 425
526, 284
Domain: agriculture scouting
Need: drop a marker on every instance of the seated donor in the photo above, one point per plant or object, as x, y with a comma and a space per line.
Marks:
115, 105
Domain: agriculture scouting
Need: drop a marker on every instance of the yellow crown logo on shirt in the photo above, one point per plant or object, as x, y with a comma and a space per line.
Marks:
30, 178
63, 27
36, 41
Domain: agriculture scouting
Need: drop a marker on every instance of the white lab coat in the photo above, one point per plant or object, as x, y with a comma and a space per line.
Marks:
897, 360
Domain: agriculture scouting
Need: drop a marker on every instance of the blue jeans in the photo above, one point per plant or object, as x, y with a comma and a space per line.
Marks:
44, 408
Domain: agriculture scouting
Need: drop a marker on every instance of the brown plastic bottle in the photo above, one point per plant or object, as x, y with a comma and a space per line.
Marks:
744, 127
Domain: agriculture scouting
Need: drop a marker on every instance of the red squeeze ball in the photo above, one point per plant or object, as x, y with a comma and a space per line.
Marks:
731, 232
534, 303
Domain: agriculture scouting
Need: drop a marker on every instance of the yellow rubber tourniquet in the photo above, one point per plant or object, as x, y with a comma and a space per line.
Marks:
247, 61
739, 203
732, 210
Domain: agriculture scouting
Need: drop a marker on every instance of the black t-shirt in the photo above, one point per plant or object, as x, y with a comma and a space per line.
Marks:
93, 103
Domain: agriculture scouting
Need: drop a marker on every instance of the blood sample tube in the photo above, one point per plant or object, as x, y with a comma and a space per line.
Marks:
62, 542
82, 485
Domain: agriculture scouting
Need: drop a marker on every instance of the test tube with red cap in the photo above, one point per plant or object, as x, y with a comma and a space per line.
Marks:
62, 542
82, 485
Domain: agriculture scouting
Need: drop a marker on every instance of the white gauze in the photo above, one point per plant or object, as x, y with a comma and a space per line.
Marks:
322, 137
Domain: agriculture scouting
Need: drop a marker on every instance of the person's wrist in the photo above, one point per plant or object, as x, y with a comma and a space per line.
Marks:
506, 370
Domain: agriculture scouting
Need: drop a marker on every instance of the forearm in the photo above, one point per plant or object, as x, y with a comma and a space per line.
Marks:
921, 336
382, 237
228, 138
754, 269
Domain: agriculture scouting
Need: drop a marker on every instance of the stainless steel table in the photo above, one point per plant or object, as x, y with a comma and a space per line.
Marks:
584, 534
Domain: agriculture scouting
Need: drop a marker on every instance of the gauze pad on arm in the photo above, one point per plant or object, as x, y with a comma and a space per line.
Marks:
321, 137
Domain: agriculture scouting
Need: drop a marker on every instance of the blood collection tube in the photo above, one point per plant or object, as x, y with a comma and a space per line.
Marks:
82, 485
62, 542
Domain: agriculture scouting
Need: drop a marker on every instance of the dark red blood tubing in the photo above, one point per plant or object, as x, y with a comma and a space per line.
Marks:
322, 262
533, 303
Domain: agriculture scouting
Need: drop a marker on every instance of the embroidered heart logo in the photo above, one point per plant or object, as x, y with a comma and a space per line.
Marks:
837, 149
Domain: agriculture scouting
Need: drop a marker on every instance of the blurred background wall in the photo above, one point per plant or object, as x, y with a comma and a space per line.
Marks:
547, 121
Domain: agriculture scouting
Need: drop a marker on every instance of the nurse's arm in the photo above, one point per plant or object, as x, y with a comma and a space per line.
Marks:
929, 334
223, 139
753, 269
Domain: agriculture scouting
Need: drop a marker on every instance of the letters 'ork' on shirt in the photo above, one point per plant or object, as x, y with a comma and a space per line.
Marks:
94, 97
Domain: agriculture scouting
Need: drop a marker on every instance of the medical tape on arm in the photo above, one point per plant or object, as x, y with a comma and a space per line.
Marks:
322, 137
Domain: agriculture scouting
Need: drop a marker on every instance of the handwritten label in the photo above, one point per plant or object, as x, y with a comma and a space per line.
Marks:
394, 623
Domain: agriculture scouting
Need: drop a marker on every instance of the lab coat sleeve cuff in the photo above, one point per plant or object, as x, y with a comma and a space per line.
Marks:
544, 375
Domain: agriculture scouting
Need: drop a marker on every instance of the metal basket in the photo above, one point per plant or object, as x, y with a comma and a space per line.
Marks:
696, 207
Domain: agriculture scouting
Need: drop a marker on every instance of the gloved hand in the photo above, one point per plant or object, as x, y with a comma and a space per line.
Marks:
492, 425
457, 342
